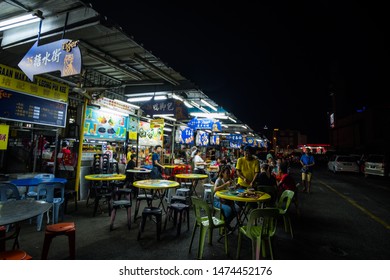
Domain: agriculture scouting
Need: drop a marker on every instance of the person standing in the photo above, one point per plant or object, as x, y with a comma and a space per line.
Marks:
199, 163
307, 162
157, 166
247, 168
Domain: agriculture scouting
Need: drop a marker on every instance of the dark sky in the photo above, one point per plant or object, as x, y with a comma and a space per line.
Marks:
270, 63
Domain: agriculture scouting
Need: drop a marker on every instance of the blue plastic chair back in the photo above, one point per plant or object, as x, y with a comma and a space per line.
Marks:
44, 176
51, 193
9, 191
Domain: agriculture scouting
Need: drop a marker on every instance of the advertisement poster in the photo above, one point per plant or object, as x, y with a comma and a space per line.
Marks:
101, 124
150, 136
133, 127
4, 134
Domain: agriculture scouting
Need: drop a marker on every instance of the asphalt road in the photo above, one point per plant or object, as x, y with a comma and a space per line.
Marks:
346, 217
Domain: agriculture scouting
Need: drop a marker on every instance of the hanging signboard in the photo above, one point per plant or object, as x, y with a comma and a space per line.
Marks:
184, 135
16, 106
211, 124
167, 106
101, 124
4, 135
14, 79
62, 55
202, 138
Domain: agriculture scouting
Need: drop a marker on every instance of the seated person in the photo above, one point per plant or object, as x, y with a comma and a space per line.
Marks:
224, 182
265, 178
286, 181
130, 177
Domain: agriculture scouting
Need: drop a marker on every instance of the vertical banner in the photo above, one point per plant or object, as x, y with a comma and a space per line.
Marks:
4, 134
133, 127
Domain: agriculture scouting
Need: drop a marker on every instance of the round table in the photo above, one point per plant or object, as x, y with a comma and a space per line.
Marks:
32, 182
16, 211
103, 191
236, 196
156, 185
194, 178
105, 177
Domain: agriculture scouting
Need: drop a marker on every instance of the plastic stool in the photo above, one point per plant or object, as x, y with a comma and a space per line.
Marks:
207, 195
55, 230
150, 211
15, 255
178, 208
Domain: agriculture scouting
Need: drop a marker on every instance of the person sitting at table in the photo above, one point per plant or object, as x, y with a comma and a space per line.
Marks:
247, 169
265, 178
130, 177
287, 182
199, 163
223, 182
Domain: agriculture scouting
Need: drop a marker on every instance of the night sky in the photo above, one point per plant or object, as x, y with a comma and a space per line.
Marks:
271, 64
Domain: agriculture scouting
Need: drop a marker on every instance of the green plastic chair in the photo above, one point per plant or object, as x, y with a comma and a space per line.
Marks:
207, 223
261, 227
283, 205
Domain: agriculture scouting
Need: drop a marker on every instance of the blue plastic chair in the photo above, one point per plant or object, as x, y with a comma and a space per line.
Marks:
9, 191
52, 193
32, 191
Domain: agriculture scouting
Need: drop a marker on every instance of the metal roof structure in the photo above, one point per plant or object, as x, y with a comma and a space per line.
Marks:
114, 65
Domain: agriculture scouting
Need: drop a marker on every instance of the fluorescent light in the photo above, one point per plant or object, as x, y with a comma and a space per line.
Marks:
146, 94
203, 109
160, 97
139, 99
167, 129
224, 125
188, 105
243, 126
233, 120
177, 97
126, 103
20, 20
209, 115
115, 112
164, 117
208, 104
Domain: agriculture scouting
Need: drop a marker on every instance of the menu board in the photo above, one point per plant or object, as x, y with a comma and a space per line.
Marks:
100, 124
16, 106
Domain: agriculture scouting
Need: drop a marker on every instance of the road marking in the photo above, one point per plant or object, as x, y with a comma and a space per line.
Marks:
361, 208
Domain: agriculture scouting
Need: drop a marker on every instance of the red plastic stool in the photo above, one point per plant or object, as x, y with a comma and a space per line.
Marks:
15, 255
55, 230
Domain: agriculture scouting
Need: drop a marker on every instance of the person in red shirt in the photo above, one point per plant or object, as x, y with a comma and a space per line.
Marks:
287, 182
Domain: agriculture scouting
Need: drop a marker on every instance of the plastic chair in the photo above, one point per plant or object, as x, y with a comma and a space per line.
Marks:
32, 191
206, 222
283, 205
177, 209
52, 193
118, 202
52, 231
261, 226
147, 212
9, 191
15, 255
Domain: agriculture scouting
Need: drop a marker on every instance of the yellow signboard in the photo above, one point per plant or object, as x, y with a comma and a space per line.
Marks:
4, 134
14, 79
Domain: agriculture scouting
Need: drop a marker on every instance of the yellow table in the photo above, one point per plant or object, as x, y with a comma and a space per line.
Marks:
236, 195
193, 178
103, 191
156, 185
105, 177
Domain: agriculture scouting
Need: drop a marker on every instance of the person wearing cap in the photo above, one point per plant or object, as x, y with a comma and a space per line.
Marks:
247, 168
307, 161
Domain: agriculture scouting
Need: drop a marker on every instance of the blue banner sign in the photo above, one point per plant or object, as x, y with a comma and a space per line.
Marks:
211, 124
22, 107
235, 138
63, 55
184, 135
202, 138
